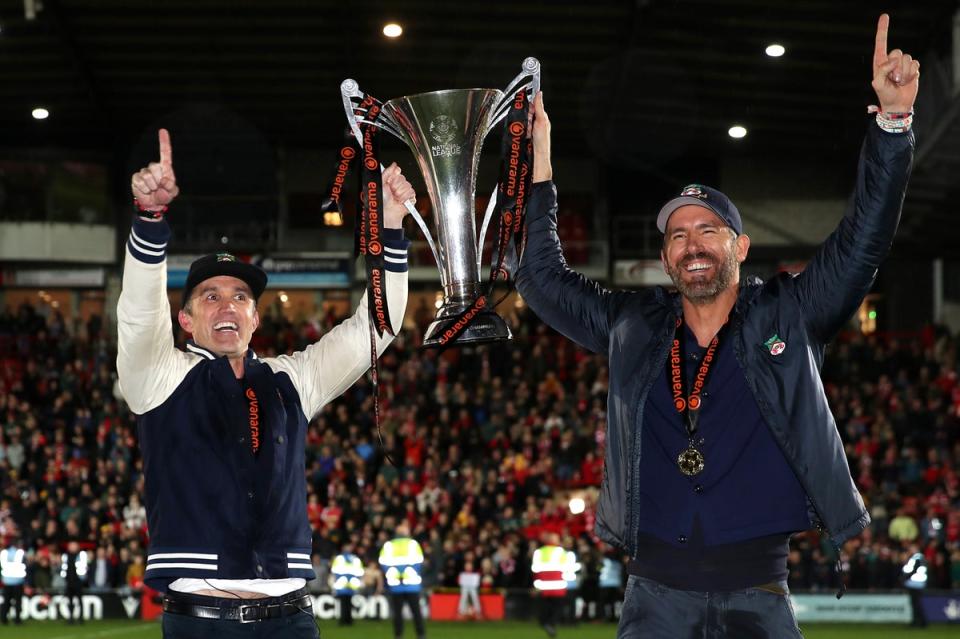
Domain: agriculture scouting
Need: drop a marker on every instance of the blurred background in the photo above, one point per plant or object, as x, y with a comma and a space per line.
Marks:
764, 99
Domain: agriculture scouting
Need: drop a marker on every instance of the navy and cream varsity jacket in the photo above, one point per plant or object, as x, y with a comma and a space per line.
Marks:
214, 509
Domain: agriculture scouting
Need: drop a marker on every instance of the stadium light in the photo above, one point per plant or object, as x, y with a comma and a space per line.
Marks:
392, 30
775, 50
736, 132
40, 113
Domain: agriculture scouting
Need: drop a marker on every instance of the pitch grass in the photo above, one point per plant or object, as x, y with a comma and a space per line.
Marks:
449, 630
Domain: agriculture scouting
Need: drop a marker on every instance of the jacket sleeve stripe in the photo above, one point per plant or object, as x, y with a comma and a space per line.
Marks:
395, 247
139, 240
148, 241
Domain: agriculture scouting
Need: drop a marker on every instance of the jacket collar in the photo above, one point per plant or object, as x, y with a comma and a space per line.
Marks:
750, 287
207, 354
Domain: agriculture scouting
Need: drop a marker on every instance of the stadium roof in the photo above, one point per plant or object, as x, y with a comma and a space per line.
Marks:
641, 83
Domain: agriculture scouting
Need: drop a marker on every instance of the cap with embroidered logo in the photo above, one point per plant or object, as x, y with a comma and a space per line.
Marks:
224, 264
706, 197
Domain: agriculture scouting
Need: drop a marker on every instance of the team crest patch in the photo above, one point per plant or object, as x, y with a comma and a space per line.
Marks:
693, 190
225, 257
775, 345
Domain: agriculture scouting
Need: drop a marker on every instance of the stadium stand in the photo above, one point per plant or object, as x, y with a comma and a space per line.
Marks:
489, 444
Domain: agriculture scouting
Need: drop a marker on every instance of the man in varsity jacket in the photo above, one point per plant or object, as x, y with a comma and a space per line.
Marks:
222, 431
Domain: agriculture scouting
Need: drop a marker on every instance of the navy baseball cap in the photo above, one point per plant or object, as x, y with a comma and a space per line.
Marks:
224, 264
707, 197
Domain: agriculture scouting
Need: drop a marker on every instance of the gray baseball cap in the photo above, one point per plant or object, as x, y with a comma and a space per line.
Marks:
707, 197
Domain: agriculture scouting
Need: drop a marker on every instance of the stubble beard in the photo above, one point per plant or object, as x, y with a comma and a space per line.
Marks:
707, 291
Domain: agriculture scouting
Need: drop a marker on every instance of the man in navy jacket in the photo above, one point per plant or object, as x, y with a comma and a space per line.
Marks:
223, 431
720, 441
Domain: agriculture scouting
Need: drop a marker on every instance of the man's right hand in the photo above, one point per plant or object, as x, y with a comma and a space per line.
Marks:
155, 186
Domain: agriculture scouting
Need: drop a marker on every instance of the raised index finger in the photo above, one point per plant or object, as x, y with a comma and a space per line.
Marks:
166, 149
880, 46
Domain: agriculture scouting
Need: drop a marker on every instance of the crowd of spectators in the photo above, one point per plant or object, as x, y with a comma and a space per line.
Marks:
479, 450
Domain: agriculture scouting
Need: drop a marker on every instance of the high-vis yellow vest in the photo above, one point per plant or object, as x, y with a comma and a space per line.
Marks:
402, 559
347, 571
13, 565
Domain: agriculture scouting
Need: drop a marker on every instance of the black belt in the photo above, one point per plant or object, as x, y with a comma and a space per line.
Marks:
242, 612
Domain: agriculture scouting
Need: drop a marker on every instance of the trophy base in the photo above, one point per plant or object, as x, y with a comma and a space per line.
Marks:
486, 327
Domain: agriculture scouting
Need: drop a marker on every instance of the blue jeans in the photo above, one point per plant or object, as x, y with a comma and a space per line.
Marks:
654, 611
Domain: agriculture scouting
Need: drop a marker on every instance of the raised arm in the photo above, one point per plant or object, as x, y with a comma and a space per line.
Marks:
842, 271
330, 366
566, 300
148, 364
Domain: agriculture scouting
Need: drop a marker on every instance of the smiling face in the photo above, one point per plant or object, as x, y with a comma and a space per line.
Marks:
701, 254
221, 314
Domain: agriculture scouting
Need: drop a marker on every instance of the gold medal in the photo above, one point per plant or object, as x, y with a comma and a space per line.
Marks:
690, 462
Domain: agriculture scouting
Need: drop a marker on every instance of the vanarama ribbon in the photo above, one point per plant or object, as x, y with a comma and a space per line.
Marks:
368, 231
343, 163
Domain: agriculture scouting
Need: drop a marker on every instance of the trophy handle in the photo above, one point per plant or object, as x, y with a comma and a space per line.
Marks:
350, 91
491, 205
530, 75
352, 98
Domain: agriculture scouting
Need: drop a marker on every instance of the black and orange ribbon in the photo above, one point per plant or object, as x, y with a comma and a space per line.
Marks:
368, 231
688, 405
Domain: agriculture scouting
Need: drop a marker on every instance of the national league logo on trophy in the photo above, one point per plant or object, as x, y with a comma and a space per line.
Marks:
445, 131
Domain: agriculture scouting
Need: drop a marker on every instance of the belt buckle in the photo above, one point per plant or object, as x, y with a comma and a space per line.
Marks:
242, 609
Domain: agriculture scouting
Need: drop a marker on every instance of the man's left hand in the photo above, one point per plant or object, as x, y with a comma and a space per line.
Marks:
397, 190
896, 75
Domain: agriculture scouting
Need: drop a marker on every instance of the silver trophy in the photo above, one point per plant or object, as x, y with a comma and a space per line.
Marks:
445, 131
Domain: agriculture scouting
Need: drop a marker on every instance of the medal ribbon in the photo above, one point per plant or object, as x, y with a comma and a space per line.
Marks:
343, 163
368, 232
371, 220
516, 170
254, 416
688, 405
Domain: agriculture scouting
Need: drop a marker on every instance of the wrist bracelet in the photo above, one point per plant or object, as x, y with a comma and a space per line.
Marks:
892, 124
147, 213
893, 121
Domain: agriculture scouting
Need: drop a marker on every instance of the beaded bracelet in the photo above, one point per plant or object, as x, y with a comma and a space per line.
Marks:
893, 121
